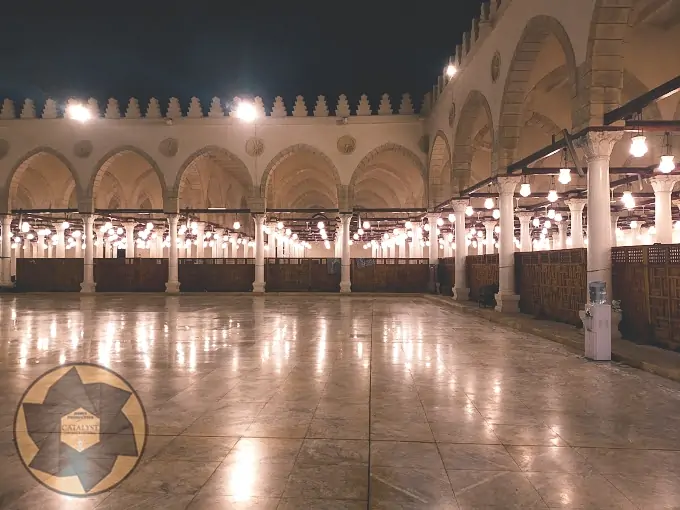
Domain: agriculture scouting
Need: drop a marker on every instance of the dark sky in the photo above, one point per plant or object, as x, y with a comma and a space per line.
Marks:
225, 48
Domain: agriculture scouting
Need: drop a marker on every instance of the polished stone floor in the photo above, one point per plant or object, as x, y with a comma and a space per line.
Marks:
318, 402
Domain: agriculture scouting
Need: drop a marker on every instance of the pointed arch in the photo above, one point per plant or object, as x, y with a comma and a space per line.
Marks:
225, 160
394, 168
291, 151
14, 177
475, 116
103, 167
516, 89
439, 169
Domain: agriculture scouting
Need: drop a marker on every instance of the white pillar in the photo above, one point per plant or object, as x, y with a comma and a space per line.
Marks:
218, 252
433, 252
598, 148
663, 220
490, 242
40, 245
200, 237
172, 285
614, 220
27, 254
78, 248
88, 285
506, 299
130, 239
259, 283
562, 234
60, 249
460, 290
525, 231
480, 245
345, 280
6, 254
576, 206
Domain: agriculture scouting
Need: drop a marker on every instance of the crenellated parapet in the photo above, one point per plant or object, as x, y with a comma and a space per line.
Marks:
217, 108
481, 26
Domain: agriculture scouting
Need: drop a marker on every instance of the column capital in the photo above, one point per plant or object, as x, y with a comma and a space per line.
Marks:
459, 206
664, 183
489, 225
507, 184
599, 144
524, 216
576, 205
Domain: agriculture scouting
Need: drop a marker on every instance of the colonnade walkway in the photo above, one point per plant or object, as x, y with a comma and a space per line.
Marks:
345, 402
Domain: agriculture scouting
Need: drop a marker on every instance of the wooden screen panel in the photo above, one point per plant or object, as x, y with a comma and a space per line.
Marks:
552, 284
481, 270
446, 272
324, 275
216, 275
629, 285
362, 274
49, 275
130, 275
390, 275
287, 275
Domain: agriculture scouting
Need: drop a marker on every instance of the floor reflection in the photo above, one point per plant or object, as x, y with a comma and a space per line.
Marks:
346, 402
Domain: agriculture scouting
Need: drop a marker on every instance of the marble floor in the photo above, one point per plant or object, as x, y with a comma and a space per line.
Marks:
329, 402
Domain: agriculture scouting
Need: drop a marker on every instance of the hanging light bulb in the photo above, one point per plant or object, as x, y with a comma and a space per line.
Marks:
279, 225
544, 231
552, 196
565, 176
452, 218
25, 227
360, 231
638, 146
367, 225
551, 213
149, 226
489, 203
525, 189
496, 214
469, 210
536, 222
427, 227
667, 164
440, 221
320, 225
408, 225
355, 236
547, 224
634, 224
558, 217
628, 200
497, 229
65, 225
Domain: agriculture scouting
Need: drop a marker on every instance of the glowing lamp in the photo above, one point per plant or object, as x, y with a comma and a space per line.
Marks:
367, 225
237, 225
469, 210
525, 189
78, 112
489, 203
496, 214
452, 218
450, 71
552, 195
565, 176
536, 222
667, 164
638, 146
558, 217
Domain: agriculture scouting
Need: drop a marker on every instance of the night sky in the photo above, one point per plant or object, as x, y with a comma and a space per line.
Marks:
163, 49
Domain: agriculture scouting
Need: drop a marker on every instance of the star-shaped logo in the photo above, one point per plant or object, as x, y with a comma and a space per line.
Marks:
80, 429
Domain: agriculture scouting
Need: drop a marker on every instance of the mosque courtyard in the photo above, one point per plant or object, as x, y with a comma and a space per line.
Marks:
344, 402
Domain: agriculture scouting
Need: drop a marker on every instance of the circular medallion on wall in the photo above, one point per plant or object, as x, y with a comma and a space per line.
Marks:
452, 114
254, 147
82, 149
4, 148
169, 147
495, 67
347, 144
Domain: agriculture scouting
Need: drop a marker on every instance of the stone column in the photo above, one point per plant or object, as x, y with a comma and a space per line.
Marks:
78, 248
460, 290
160, 233
489, 241
663, 220
614, 219
60, 249
345, 280
576, 206
6, 267
130, 239
525, 231
562, 234
88, 285
433, 250
172, 285
40, 245
259, 283
506, 299
598, 148
218, 252
480, 245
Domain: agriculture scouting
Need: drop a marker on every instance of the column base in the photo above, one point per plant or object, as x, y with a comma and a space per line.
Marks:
461, 294
345, 287
87, 287
507, 303
172, 287
258, 287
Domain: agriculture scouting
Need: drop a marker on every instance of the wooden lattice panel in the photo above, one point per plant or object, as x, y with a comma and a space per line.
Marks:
446, 272
552, 284
647, 281
480, 270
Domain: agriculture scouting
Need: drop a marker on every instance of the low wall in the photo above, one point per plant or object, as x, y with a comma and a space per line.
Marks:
480, 270
302, 275
49, 275
130, 275
552, 284
446, 273
390, 275
216, 275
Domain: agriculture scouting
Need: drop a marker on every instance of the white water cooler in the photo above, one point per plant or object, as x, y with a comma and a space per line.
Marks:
597, 323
